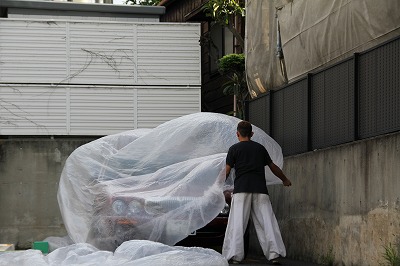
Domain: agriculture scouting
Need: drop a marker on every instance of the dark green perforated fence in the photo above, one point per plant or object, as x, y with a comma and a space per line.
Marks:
354, 99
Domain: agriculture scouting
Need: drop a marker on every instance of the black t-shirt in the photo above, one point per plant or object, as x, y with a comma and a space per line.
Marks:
249, 159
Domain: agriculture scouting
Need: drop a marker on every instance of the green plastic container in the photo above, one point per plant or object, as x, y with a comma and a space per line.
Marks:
42, 246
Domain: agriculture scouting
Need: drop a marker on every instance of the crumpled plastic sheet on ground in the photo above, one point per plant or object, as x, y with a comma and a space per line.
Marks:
56, 242
130, 253
156, 184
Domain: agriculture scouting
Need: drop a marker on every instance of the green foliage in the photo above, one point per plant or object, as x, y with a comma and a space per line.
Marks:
391, 255
232, 66
223, 13
222, 10
143, 2
231, 63
329, 258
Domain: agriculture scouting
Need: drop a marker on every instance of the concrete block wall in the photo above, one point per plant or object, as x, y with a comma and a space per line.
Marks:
344, 202
30, 170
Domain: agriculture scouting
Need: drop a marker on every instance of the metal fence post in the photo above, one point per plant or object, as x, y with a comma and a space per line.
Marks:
356, 97
309, 110
271, 128
246, 111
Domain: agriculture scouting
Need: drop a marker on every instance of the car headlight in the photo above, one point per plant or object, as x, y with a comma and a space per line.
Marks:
119, 207
135, 206
225, 210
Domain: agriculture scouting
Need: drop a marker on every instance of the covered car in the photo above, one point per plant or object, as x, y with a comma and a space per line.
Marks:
158, 184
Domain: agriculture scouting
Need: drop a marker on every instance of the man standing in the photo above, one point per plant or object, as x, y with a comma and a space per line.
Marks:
250, 196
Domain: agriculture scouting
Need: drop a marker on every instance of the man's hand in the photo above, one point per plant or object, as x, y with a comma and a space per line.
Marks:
287, 183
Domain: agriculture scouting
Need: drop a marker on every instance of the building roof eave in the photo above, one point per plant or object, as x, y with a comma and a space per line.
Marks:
68, 6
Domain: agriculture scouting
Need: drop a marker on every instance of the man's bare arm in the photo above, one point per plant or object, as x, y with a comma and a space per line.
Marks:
279, 173
227, 170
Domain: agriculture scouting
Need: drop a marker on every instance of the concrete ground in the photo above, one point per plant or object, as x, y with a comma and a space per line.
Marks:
256, 261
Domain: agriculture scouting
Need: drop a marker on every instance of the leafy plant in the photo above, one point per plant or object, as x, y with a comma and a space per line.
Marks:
231, 63
391, 255
233, 67
223, 13
329, 258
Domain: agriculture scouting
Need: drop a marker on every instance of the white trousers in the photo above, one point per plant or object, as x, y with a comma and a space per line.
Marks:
265, 223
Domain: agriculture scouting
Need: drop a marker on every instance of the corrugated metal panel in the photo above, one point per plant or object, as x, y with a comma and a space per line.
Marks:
101, 111
156, 106
90, 110
32, 51
32, 110
99, 53
169, 52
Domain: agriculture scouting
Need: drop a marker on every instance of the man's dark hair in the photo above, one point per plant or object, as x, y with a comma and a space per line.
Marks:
244, 128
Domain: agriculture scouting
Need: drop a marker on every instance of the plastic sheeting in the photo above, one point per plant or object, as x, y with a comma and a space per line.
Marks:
262, 64
134, 253
56, 242
156, 184
313, 33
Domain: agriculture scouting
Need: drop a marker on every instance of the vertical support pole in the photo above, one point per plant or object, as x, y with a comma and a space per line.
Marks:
135, 108
234, 105
68, 109
246, 110
356, 96
135, 71
309, 112
271, 124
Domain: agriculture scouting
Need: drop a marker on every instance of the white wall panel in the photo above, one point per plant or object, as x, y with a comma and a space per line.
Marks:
90, 110
114, 53
102, 53
101, 111
95, 78
156, 106
32, 110
169, 52
32, 51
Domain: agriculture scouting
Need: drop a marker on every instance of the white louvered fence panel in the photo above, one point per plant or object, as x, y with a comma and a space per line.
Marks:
32, 110
113, 53
156, 106
102, 53
171, 53
32, 51
95, 78
90, 110
101, 111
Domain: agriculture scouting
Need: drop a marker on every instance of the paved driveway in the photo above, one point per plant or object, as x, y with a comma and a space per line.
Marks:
283, 261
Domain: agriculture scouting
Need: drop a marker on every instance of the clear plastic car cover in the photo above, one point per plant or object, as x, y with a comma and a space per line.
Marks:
156, 184
130, 253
